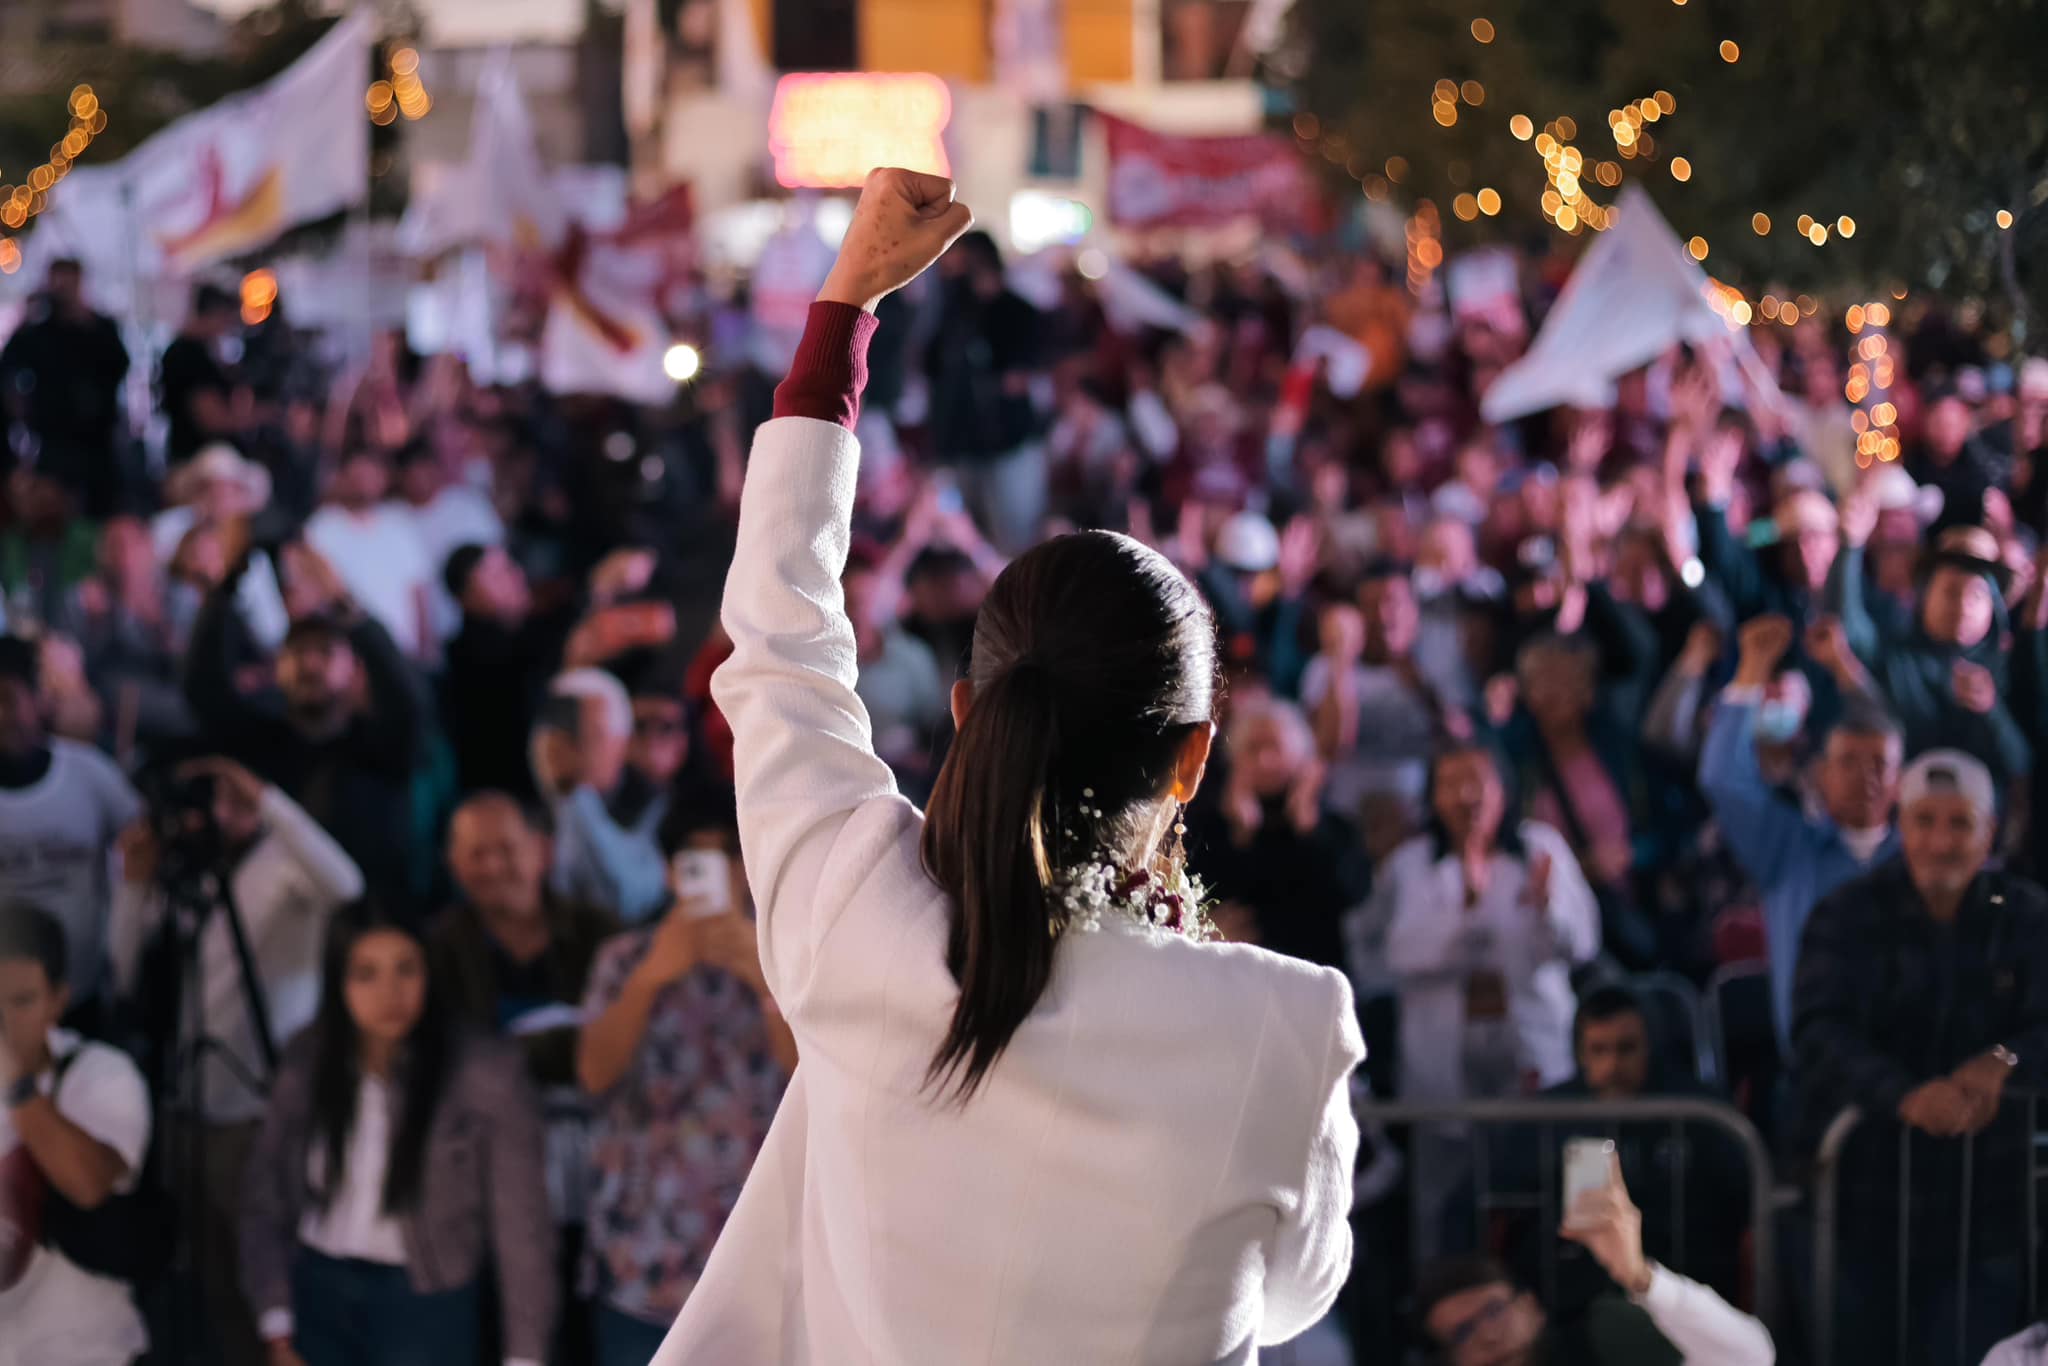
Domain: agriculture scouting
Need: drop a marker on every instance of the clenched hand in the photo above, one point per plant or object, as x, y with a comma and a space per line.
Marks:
904, 221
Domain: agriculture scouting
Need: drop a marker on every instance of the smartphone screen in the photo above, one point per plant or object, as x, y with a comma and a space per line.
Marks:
1588, 1166
703, 877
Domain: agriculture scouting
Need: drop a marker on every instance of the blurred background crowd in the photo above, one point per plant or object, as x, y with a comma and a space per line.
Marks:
1634, 724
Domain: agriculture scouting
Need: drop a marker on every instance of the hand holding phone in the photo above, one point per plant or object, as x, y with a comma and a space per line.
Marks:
702, 880
1589, 1166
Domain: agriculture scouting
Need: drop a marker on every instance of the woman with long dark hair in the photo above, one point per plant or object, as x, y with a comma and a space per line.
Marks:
398, 1154
1040, 1117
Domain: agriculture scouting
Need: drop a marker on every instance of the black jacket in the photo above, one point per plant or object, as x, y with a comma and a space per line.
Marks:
1689, 1179
1885, 999
466, 962
358, 782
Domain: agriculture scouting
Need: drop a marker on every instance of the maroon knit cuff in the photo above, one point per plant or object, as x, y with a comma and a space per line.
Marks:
831, 366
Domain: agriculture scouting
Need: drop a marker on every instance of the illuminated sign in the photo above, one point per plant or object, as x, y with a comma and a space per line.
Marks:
828, 130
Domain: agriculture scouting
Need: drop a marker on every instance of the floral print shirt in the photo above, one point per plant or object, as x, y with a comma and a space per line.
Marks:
674, 1138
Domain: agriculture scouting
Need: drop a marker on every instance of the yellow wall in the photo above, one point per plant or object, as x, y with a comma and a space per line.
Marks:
948, 38
1098, 41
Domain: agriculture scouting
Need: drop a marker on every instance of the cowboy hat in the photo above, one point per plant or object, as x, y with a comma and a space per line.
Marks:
218, 463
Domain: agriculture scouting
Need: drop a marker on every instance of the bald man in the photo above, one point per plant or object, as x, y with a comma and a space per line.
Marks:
510, 955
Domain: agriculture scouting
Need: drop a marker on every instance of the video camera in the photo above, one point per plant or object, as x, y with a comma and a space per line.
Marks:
188, 839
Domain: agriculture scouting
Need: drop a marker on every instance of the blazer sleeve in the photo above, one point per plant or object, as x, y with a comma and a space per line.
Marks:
273, 1189
803, 750
522, 1231
1309, 1258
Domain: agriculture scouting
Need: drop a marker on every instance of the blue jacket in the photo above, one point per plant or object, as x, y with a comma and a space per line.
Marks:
1795, 859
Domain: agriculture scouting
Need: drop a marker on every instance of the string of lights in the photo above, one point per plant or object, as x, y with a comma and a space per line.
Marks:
20, 203
1567, 203
402, 93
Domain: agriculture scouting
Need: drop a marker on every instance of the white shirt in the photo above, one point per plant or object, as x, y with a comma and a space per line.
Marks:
56, 840
285, 888
58, 1314
1157, 1170
1417, 935
383, 564
354, 1224
2026, 1348
1706, 1329
456, 516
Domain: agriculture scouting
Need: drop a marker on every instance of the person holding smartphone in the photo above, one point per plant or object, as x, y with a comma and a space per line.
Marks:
686, 1058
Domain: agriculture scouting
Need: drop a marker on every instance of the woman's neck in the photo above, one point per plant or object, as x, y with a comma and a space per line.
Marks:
1476, 847
377, 1056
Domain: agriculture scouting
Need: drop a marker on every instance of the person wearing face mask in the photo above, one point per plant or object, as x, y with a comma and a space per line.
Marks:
1451, 585
1921, 997
581, 751
1795, 855
1948, 674
1375, 714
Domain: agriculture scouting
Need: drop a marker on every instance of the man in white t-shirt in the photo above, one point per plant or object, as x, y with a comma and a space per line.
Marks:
74, 1129
447, 514
375, 548
63, 806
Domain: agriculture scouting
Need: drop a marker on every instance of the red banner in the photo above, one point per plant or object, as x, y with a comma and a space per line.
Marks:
1157, 180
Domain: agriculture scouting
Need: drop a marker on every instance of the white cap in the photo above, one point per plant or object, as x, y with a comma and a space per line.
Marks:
1895, 491
218, 463
1941, 772
602, 687
2033, 378
1248, 544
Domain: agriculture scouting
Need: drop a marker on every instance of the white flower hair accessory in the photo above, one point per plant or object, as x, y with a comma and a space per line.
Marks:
1098, 890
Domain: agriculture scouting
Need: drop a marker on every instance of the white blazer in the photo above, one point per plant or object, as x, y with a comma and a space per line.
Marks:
1416, 931
1157, 1170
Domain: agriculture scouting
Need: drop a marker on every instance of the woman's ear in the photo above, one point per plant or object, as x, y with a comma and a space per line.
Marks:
1193, 762
963, 698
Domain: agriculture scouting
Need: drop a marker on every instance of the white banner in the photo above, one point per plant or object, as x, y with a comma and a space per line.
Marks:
500, 196
229, 178
1634, 295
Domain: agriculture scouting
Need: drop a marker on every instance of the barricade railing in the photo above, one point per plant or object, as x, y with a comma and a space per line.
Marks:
1548, 1116
1827, 1213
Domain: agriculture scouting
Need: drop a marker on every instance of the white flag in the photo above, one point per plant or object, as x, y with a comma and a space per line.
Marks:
603, 335
1634, 295
231, 177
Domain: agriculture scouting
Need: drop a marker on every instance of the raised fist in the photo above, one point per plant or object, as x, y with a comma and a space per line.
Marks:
904, 221
1762, 642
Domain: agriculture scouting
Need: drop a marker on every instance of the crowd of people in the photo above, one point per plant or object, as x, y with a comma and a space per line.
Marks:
376, 967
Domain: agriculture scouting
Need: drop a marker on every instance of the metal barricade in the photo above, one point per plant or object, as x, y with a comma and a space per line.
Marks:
1548, 1115
1827, 1214
1677, 1005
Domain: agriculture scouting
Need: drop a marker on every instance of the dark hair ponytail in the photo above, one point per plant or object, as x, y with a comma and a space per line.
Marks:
1093, 659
